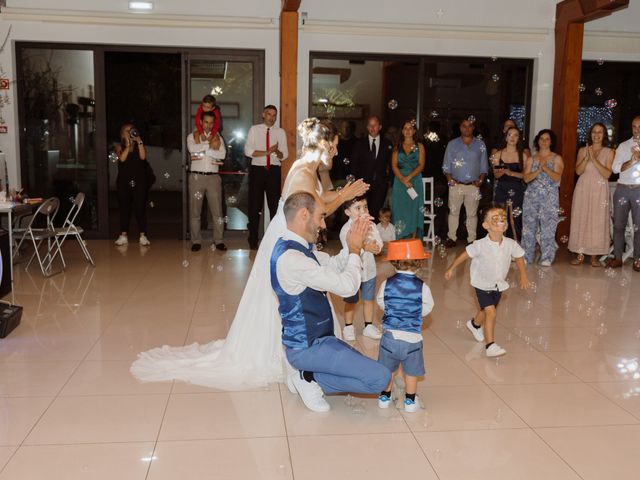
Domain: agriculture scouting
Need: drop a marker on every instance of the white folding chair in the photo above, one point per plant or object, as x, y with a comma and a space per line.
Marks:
429, 211
38, 235
70, 228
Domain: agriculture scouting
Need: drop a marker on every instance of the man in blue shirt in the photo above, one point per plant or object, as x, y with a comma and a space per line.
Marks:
465, 166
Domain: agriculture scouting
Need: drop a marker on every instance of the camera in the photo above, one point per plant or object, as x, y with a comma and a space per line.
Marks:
133, 133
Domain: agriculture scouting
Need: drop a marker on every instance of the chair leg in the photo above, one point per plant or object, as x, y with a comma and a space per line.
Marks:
85, 250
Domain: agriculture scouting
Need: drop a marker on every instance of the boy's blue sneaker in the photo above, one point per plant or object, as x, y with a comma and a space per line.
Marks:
411, 406
384, 401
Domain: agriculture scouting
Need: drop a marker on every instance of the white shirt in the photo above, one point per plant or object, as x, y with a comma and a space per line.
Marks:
205, 164
257, 140
490, 262
387, 234
368, 260
631, 176
377, 139
296, 271
427, 306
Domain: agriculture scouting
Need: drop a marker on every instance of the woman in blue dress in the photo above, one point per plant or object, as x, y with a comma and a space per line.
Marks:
542, 172
508, 166
407, 196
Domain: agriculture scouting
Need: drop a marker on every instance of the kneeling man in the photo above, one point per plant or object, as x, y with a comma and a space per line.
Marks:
301, 279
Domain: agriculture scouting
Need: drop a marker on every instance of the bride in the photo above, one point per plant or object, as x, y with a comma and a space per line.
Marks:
251, 356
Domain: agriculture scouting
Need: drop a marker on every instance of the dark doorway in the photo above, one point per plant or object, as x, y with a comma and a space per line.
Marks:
146, 89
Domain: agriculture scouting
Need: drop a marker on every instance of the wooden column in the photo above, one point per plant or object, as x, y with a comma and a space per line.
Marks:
571, 15
289, 77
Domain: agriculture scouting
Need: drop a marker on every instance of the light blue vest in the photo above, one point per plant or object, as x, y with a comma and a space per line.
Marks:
403, 303
306, 316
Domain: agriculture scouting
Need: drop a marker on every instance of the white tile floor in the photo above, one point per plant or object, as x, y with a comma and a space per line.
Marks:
563, 403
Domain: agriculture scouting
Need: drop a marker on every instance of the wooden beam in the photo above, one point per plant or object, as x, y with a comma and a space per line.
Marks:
289, 77
571, 15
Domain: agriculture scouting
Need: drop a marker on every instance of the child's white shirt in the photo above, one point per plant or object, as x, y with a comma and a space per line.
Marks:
368, 260
490, 262
427, 306
388, 233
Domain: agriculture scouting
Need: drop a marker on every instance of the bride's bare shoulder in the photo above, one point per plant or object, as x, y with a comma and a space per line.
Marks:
300, 179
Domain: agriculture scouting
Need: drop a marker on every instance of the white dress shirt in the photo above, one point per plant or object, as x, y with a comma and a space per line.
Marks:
209, 155
631, 176
490, 262
427, 306
257, 140
377, 139
296, 271
368, 260
387, 234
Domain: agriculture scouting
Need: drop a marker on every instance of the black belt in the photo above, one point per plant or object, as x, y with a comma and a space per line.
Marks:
462, 183
204, 173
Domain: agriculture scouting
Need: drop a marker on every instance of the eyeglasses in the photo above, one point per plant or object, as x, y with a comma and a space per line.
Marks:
498, 218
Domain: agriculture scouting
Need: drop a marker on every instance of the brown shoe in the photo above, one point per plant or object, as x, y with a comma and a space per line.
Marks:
636, 264
578, 260
594, 261
449, 243
614, 263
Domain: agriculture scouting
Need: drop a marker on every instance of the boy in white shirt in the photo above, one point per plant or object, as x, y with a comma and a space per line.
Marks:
385, 228
490, 261
355, 209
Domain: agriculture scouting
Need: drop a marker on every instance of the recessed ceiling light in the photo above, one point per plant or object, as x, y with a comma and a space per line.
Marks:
140, 5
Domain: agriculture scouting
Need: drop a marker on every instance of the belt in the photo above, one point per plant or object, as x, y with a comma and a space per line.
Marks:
626, 185
203, 173
463, 183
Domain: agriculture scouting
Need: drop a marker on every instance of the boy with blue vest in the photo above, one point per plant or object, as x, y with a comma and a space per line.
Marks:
354, 209
405, 299
490, 262
301, 277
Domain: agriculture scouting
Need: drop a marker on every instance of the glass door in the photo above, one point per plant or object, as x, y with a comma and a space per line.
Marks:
236, 83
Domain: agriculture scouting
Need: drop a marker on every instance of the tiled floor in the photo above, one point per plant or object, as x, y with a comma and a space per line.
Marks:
564, 403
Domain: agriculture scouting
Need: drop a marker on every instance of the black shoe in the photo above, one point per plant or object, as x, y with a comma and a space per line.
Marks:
196, 247
449, 243
221, 246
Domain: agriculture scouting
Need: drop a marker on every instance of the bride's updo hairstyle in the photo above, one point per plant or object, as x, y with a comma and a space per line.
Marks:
316, 134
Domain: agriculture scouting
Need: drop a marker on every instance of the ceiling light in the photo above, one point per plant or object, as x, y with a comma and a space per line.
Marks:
141, 6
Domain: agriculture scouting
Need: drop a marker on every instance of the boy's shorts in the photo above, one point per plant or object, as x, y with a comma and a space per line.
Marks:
487, 298
368, 292
394, 352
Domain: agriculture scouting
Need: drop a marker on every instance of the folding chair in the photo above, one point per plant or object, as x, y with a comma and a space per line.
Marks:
429, 211
69, 228
48, 210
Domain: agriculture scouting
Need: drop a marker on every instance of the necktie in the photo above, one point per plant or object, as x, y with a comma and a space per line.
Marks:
268, 147
373, 148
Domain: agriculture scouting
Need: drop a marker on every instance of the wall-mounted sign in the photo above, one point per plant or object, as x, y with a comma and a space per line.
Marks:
4, 83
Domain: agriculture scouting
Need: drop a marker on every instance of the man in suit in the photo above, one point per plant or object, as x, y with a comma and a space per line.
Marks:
371, 161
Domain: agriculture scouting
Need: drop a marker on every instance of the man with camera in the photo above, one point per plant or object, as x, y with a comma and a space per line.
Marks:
206, 157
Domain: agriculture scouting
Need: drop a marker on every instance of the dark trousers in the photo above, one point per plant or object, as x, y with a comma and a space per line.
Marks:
625, 199
376, 196
262, 181
132, 198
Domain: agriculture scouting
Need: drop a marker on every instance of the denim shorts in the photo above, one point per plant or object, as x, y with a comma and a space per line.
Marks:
368, 292
394, 352
487, 298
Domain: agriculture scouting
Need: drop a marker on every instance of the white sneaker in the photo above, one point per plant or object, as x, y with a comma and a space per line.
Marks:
412, 406
144, 241
384, 401
348, 333
372, 331
478, 333
311, 394
122, 240
291, 374
546, 263
495, 350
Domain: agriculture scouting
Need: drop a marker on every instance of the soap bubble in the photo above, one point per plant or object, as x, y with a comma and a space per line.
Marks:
458, 162
611, 103
346, 161
166, 175
600, 61
622, 201
393, 104
220, 268
517, 212
151, 204
598, 91
438, 202
232, 200
185, 263
494, 58
351, 178
400, 227
495, 77
582, 87
471, 118
511, 193
437, 240
319, 246
213, 247
198, 195
560, 211
477, 195
113, 156
564, 239
132, 183
434, 114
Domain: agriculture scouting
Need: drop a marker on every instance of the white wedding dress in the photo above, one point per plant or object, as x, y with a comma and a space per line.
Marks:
252, 354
